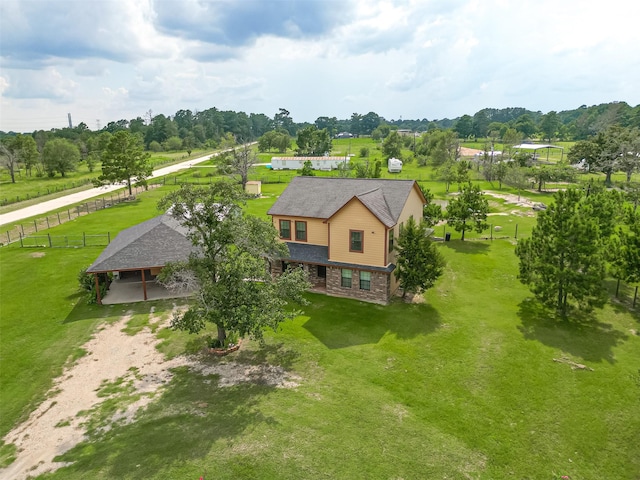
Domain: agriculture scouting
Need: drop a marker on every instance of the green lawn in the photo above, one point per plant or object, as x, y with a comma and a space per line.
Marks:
21, 194
463, 386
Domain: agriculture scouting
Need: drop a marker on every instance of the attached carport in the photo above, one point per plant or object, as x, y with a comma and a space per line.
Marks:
138, 254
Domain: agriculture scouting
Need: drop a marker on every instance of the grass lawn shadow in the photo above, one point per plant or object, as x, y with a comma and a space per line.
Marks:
192, 415
341, 323
581, 336
469, 246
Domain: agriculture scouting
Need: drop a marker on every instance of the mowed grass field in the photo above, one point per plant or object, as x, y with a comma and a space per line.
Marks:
462, 386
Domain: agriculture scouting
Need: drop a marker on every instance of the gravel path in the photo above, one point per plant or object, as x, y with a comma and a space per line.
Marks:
55, 426
73, 198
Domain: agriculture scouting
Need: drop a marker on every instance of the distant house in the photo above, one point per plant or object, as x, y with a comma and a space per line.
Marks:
344, 135
317, 163
343, 231
139, 253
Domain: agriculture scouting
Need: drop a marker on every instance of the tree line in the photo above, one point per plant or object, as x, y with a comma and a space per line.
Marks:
213, 128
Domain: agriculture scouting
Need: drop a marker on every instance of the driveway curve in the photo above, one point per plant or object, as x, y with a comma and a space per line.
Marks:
73, 198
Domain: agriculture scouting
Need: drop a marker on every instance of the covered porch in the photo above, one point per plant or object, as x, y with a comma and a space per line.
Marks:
130, 291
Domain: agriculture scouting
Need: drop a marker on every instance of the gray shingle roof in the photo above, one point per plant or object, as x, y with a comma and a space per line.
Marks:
153, 243
319, 255
322, 197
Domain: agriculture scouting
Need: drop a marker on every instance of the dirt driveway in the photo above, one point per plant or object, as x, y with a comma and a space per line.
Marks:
56, 426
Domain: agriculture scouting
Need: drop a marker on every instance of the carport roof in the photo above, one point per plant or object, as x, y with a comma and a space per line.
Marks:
153, 243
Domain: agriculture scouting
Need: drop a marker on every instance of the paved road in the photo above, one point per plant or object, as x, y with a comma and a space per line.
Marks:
60, 202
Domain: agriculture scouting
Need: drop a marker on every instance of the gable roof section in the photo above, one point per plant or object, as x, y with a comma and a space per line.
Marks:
322, 197
153, 243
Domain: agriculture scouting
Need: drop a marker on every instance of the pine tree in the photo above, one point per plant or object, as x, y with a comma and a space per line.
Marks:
468, 211
419, 263
563, 262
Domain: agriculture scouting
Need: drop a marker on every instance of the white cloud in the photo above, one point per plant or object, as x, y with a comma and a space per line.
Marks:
412, 58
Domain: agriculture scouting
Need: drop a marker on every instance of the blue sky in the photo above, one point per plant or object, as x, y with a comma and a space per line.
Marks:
107, 60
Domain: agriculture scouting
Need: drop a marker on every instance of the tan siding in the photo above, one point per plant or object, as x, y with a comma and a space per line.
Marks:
413, 206
317, 231
355, 216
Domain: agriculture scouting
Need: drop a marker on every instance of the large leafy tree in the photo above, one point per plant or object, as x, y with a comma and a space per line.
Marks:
629, 161
278, 139
312, 141
234, 289
61, 156
440, 146
624, 250
563, 261
549, 125
464, 126
468, 211
123, 160
25, 149
419, 263
392, 145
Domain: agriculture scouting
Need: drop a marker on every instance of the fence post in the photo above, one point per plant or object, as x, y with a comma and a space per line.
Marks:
8, 237
59, 222
108, 238
491, 231
47, 219
50, 244
84, 239
87, 205
69, 213
36, 225
22, 228
21, 244
635, 297
516, 236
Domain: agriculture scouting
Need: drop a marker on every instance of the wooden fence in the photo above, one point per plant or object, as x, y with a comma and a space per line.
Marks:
23, 230
65, 241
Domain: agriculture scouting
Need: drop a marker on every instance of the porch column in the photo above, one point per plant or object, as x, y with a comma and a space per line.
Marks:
98, 299
144, 285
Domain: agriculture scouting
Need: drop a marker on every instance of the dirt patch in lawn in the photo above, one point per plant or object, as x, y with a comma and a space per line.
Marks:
511, 198
113, 358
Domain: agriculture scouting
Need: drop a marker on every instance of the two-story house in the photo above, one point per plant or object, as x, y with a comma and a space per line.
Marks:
342, 231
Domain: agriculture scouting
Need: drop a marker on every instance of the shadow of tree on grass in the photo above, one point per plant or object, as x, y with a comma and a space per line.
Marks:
181, 426
481, 247
340, 323
582, 335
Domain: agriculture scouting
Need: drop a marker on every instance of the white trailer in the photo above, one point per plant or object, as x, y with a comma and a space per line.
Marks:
317, 163
394, 165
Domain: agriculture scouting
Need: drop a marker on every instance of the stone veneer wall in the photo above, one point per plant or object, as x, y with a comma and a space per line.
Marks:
312, 272
380, 286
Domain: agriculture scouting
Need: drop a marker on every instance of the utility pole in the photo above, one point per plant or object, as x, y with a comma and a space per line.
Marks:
69, 118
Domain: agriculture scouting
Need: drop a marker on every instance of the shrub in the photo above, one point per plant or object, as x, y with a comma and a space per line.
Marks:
87, 283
